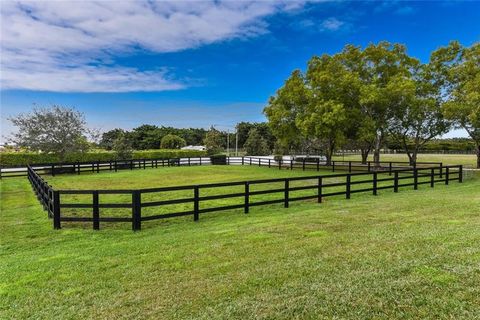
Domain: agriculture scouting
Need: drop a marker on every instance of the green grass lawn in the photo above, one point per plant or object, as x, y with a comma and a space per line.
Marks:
448, 159
174, 176
414, 254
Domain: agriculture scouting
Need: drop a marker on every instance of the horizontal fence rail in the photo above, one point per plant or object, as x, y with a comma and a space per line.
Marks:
369, 178
115, 165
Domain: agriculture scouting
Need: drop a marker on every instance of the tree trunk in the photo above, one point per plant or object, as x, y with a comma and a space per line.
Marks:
365, 153
478, 156
376, 151
412, 157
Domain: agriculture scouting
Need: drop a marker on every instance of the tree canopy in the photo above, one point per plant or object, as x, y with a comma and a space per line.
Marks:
56, 129
364, 96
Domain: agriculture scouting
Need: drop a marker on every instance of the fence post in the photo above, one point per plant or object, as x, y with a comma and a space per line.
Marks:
432, 177
447, 175
369, 165
201, 160
56, 210
144, 164
131, 164
98, 166
280, 164
53, 170
195, 203
333, 166
319, 190
460, 173
390, 168
375, 183
189, 161
286, 193
318, 164
441, 170
415, 179
291, 164
269, 163
303, 164
247, 197
78, 167
395, 182
349, 166
347, 186
250, 160
243, 160
136, 210
96, 211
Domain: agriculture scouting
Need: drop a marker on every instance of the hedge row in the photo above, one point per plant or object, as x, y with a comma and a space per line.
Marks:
14, 159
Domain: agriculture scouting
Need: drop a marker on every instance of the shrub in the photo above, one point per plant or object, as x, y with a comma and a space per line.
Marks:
16, 159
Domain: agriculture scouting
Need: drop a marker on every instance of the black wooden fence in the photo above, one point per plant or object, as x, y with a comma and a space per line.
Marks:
115, 165
323, 187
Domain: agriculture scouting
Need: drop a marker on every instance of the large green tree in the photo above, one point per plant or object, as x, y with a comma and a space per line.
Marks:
384, 65
283, 108
458, 72
57, 129
417, 116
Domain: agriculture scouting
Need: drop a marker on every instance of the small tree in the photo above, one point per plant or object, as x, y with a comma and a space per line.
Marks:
213, 141
57, 129
171, 141
256, 145
122, 146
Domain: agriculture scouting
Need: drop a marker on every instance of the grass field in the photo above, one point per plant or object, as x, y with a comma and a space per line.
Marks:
448, 159
414, 254
174, 176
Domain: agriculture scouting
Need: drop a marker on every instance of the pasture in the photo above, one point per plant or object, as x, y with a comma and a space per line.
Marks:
412, 254
468, 160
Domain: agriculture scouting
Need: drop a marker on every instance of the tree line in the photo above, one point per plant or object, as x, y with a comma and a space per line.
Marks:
362, 99
366, 97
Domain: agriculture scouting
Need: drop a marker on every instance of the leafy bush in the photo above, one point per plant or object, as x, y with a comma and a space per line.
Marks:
171, 141
15, 159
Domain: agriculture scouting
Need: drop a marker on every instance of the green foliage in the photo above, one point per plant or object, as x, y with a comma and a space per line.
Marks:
171, 141
57, 129
213, 141
149, 136
122, 147
256, 145
457, 68
283, 108
244, 128
8, 159
108, 138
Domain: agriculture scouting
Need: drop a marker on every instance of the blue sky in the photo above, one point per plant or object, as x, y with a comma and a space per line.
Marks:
195, 64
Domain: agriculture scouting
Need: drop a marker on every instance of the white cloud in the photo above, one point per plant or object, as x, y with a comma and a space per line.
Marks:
69, 45
332, 24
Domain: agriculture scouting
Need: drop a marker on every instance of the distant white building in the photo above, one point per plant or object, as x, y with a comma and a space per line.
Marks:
197, 148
